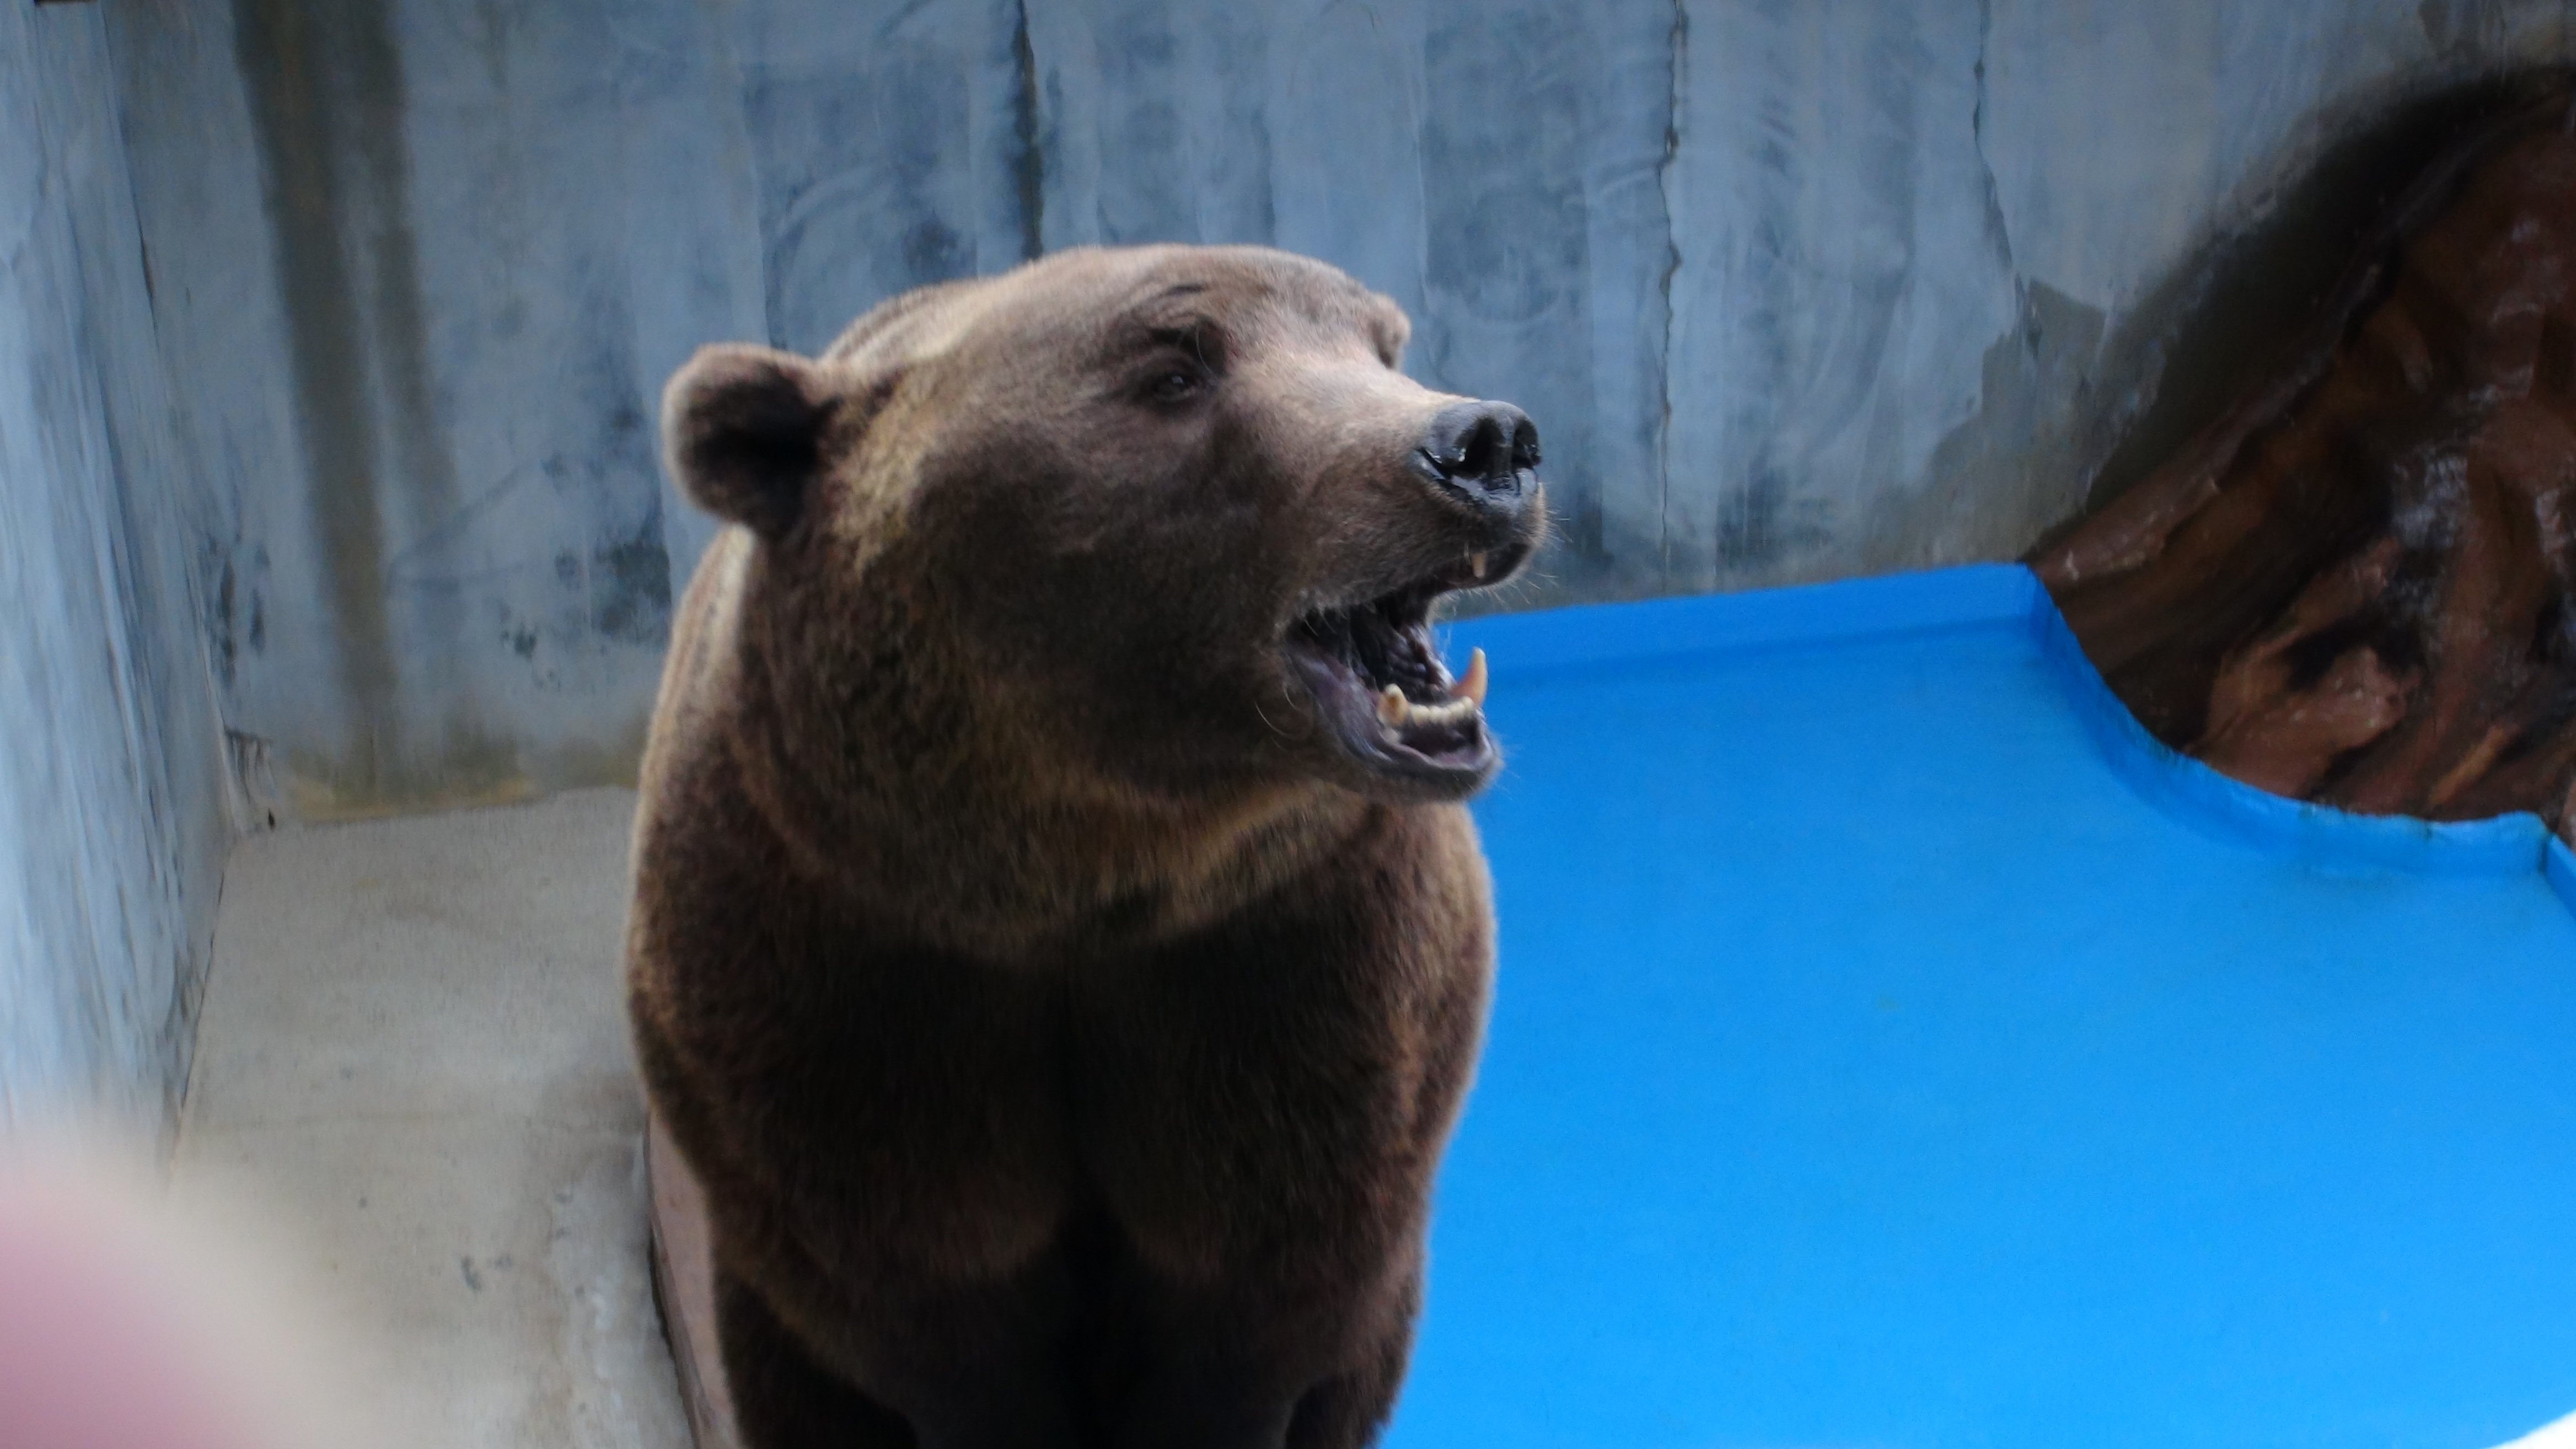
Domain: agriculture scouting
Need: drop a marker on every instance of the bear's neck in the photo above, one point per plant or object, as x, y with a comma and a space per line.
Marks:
893, 794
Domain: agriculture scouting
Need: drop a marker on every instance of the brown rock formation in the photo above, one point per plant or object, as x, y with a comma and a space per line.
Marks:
2353, 586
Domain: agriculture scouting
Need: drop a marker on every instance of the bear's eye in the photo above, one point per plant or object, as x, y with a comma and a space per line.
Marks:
1173, 385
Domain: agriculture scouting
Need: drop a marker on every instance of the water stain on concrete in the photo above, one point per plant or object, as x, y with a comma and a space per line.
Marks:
291, 57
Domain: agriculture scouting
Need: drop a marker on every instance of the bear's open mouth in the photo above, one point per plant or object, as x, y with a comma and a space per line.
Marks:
1384, 692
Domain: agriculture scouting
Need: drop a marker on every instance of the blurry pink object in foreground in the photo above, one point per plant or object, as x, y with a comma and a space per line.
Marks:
101, 1346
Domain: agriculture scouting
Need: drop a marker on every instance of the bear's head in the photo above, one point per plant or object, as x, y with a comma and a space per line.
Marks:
1162, 521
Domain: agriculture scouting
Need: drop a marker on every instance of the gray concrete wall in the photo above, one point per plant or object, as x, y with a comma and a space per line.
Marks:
113, 811
1796, 288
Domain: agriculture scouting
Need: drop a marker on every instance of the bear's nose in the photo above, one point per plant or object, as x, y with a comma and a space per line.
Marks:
1485, 450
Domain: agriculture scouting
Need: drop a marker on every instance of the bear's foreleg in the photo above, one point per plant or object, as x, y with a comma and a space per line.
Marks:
974, 1371
1348, 1410
782, 1398
1218, 1370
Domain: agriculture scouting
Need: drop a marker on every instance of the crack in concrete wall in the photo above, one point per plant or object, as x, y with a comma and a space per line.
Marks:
1996, 224
1680, 70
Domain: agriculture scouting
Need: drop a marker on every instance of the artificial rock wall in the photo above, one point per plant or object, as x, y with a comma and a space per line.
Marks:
1796, 288
2354, 585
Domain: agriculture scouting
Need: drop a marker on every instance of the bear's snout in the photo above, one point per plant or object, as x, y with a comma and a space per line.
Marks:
1484, 453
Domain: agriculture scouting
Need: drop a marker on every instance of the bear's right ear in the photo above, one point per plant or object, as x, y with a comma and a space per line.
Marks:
743, 429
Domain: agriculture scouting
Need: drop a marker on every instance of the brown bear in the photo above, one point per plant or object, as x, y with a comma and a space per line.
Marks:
1059, 946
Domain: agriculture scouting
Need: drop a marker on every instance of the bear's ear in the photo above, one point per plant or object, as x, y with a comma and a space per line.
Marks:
743, 430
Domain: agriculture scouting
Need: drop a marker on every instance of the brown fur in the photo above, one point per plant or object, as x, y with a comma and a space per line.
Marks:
1064, 1031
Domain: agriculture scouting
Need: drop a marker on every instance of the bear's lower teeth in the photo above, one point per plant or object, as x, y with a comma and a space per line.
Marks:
1466, 698
1397, 712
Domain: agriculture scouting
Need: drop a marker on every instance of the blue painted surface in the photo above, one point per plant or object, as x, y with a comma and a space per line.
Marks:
1895, 1048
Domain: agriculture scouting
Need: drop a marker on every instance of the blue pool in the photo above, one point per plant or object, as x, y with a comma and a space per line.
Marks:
1895, 1047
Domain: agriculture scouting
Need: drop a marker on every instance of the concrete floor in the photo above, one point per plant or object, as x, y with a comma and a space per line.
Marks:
412, 1050
412, 1045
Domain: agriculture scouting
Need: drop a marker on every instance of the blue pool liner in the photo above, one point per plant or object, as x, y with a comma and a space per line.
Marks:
1909, 605
1896, 1045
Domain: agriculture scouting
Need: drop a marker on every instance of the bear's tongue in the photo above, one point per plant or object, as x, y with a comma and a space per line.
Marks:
1393, 652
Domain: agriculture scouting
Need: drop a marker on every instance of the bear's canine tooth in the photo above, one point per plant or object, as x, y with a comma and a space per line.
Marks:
1392, 706
1476, 561
1472, 687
